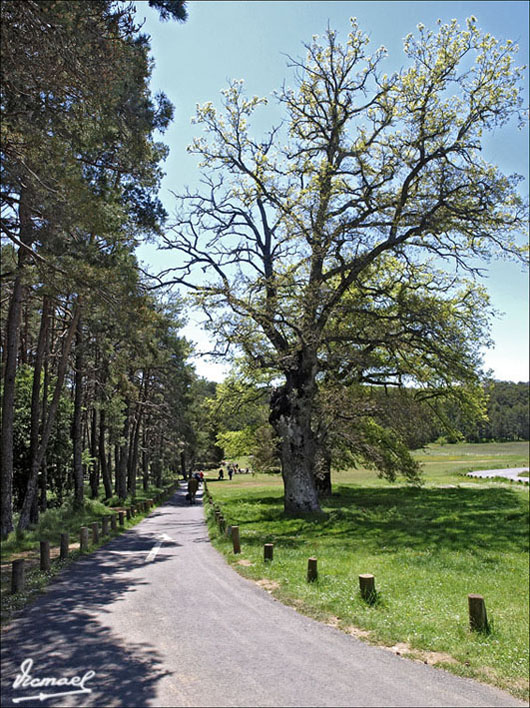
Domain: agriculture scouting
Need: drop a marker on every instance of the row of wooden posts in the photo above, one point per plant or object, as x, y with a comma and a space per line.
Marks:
478, 620
115, 520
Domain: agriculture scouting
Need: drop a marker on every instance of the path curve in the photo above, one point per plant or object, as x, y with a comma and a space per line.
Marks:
178, 627
512, 474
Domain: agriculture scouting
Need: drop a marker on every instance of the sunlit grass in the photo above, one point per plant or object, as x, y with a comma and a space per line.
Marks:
427, 547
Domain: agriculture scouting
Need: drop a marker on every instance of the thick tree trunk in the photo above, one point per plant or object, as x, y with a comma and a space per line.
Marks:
291, 408
8, 400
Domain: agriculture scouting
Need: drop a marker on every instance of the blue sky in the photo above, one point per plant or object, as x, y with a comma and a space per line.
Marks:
249, 40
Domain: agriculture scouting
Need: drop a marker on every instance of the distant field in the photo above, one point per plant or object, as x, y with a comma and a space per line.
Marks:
428, 548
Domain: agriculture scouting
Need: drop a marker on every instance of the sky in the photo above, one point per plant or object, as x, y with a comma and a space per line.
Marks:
250, 40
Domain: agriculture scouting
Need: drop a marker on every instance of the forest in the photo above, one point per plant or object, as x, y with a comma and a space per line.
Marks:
98, 391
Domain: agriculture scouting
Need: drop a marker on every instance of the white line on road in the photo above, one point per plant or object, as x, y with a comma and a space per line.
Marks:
154, 551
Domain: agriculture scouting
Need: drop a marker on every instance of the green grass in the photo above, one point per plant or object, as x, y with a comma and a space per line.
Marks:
427, 547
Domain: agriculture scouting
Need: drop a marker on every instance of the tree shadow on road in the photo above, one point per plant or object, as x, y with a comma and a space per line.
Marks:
63, 638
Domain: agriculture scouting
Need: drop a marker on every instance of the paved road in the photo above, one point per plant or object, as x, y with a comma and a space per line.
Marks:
162, 620
508, 474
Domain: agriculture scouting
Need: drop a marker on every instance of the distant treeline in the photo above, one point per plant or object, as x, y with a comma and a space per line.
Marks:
420, 422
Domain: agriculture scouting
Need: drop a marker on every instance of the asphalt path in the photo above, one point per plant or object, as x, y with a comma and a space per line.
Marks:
162, 620
512, 474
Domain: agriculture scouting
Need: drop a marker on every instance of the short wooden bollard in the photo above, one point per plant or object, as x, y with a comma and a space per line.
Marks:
17, 575
113, 522
65, 546
312, 572
105, 524
235, 539
128, 512
121, 517
222, 523
45, 555
478, 619
268, 551
83, 538
367, 586
95, 531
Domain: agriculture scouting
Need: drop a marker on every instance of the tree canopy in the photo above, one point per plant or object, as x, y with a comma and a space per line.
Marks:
337, 245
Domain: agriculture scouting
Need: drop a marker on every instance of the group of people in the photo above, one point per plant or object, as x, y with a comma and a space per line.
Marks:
232, 469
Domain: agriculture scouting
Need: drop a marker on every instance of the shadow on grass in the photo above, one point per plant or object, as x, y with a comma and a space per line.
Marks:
455, 519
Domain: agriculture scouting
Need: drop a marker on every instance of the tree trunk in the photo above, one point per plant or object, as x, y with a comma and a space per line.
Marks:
94, 465
121, 471
8, 400
291, 408
105, 471
47, 428
77, 437
36, 403
323, 469
133, 453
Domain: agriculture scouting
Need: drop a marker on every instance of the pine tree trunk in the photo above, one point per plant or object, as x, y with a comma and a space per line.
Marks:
121, 470
8, 400
47, 427
77, 437
105, 471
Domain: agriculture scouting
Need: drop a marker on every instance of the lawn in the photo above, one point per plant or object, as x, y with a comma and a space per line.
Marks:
428, 548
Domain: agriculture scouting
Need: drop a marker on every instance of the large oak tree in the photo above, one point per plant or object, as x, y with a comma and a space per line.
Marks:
370, 179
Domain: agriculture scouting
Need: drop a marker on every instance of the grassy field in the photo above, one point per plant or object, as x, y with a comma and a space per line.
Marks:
428, 548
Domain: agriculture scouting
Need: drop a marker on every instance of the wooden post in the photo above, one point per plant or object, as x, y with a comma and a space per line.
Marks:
268, 551
17, 575
95, 531
65, 546
312, 572
113, 522
478, 619
105, 524
222, 523
83, 538
235, 539
128, 512
367, 587
45, 555
121, 517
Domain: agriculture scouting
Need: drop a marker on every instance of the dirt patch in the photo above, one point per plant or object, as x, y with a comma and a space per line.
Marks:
426, 657
244, 561
268, 585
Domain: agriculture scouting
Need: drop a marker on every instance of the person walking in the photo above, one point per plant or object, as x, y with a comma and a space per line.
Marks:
193, 485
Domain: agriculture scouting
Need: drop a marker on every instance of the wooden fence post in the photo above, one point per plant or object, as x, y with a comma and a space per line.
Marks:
235, 539
367, 587
45, 555
478, 619
95, 532
65, 546
121, 516
312, 572
83, 538
268, 551
17, 575
105, 525
113, 522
